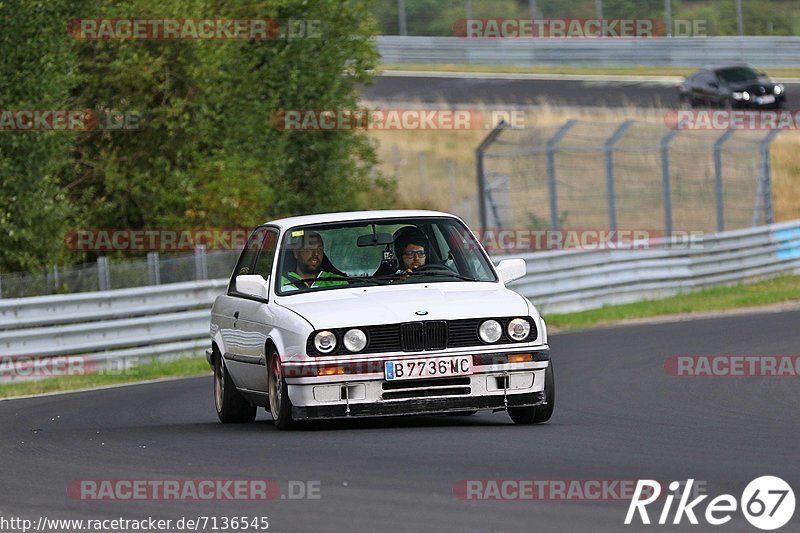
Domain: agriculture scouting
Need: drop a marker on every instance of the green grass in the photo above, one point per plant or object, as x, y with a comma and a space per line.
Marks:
544, 69
154, 369
776, 290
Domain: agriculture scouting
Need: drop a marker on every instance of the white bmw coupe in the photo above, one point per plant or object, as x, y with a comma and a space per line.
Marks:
376, 313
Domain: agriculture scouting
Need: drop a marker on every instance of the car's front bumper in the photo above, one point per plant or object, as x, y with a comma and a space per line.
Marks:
492, 385
418, 406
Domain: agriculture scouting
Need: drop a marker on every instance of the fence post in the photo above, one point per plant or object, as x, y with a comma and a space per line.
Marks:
479, 155
552, 144
103, 274
609, 153
718, 179
153, 268
665, 141
200, 263
764, 188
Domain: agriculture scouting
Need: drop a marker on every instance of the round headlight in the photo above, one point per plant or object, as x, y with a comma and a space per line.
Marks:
519, 329
490, 331
778, 89
325, 341
746, 95
355, 340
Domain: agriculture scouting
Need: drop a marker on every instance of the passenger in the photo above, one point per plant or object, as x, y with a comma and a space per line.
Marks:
309, 259
410, 246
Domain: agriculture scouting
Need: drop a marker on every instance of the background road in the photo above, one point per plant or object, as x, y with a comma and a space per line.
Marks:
509, 91
618, 416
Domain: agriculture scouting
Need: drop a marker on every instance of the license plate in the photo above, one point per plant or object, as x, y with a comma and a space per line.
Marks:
428, 368
765, 99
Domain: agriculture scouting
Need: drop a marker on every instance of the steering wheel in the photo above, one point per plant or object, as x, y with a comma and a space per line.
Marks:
432, 267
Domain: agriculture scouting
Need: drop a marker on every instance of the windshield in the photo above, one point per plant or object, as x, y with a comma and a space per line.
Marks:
737, 74
379, 252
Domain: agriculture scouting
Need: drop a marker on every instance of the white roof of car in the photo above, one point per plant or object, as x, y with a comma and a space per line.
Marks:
285, 223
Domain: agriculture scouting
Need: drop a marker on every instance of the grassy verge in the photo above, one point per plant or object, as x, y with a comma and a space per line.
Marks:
155, 369
778, 290
546, 69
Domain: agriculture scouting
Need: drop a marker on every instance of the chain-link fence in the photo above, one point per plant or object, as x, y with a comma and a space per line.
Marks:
628, 175
105, 274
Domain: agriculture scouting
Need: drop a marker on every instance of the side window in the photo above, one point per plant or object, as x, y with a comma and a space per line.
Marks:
267, 256
245, 265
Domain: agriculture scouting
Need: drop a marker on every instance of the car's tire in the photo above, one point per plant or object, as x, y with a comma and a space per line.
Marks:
280, 406
231, 407
542, 413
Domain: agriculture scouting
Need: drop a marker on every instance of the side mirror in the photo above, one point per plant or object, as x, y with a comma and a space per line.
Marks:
253, 285
511, 269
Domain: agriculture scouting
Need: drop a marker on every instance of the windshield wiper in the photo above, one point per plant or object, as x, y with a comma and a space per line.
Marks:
304, 282
448, 273
441, 273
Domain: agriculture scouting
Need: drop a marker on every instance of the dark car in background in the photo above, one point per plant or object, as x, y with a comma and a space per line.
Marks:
731, 86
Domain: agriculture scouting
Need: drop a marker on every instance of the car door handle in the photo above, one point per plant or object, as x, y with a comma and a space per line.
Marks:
236, 314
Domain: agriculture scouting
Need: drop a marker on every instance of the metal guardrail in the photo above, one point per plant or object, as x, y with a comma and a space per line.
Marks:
765, 52
172, 320
567, 281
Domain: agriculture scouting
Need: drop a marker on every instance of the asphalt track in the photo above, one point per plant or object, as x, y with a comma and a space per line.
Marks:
619, 416
587, 91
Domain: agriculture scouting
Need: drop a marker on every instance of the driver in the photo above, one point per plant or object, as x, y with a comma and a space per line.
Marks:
410, 247
309, 253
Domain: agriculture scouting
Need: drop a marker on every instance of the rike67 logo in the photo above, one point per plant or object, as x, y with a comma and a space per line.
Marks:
767, 503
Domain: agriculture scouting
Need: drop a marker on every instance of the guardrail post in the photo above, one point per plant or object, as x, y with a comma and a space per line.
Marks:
56, 278
200, 263
479, 170
153, 268
718, 185
609, 153
665, 141
764, 188
103, 274
552, 144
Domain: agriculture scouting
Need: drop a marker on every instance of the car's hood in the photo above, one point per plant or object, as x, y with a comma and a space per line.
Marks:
338, 308
754, 86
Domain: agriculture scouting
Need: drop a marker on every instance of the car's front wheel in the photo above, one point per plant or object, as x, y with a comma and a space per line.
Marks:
542, 413
280, 406
231, 406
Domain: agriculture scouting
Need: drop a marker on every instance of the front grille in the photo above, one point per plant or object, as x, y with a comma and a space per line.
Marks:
412, 337
421, 336
436, 335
